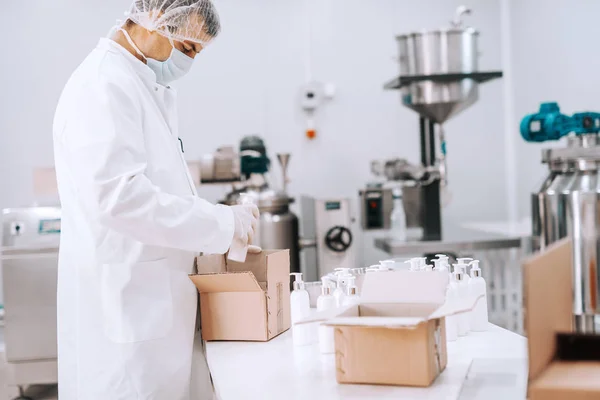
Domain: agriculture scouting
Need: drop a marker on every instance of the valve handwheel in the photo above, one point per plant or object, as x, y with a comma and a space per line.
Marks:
338, 239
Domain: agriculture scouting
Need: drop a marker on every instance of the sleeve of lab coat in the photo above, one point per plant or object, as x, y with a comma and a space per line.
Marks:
105, 147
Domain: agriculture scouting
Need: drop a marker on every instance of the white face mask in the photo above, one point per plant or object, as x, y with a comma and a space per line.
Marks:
173, 68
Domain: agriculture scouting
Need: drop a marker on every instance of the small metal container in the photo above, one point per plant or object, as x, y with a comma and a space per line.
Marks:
443, 51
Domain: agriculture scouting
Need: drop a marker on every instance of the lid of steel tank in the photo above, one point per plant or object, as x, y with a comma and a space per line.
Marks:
262, 197
456, 26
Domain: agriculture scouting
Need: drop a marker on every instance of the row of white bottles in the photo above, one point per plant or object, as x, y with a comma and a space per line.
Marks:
327, 301
464, 286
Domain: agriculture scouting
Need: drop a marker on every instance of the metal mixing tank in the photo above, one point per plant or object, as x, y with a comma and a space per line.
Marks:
568, 205
446, 51
439, 78
568, 202
278, 226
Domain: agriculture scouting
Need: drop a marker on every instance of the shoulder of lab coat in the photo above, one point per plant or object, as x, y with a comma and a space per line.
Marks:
100, 135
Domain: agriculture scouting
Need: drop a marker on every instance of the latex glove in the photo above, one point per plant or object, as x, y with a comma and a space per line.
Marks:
254, 249
245, 219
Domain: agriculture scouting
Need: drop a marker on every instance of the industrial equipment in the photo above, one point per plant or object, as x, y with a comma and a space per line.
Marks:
278, 228
29, 266
329, 222
566, 205
439, 79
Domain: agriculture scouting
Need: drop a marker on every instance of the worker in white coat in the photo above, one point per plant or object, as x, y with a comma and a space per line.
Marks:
131, 221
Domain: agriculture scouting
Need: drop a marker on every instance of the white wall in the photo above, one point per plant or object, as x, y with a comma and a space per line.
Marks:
556, 58
248, 82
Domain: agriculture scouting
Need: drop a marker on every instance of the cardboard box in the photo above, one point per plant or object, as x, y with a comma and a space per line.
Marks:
244, 301
396, 335
562, 365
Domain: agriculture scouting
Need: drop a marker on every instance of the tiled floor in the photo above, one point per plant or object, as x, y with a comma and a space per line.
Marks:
36, 393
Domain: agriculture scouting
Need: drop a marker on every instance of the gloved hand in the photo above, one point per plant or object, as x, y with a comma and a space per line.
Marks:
245, 219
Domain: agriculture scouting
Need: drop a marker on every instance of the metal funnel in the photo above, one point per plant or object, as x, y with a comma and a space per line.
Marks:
284, 159
440, 112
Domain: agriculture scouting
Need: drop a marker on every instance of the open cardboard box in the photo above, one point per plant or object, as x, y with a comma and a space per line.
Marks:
396, 335
247, 301
562, 365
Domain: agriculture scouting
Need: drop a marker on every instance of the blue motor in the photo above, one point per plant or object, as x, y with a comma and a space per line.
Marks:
550, 124
254, 158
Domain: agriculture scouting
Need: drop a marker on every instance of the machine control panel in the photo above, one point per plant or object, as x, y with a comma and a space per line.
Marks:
376, 208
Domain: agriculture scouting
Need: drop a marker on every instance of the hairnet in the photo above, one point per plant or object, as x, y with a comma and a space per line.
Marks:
193, 20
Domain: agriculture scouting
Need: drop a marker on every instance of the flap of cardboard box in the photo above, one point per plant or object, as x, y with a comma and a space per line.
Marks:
226, 282
391, 315
404, 287
400, 315
379, 322
255, 263
548, 302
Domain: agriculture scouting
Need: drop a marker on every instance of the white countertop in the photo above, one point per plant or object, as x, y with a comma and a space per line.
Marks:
520, 228
495, 361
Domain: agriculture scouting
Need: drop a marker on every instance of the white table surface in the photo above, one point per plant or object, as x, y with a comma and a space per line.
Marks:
279, 370
520, 228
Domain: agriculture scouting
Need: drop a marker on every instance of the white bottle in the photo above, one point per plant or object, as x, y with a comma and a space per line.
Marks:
415, 264
338, 293
463, 263
441, 263
422, 262
239, 250
352, 297
462, 290
300, 309
477, 287
452, 320
428, 268
325, 302
398, 217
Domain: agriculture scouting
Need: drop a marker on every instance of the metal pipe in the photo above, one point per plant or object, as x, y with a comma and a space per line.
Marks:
431, 213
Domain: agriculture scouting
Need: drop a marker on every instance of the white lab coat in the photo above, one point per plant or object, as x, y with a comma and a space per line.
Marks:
131, 226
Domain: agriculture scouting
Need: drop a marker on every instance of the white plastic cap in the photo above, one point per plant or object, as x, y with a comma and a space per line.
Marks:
475, 271
351, 289
298, 282
326, 287
341, 270
464, 260
428, 268
415, 264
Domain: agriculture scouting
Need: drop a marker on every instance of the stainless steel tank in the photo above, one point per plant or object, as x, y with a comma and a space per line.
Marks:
444, 51
568, 205
278, 226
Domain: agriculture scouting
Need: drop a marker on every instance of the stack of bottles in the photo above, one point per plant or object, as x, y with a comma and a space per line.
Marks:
461, 285
464, 285
340, 290
337, 291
